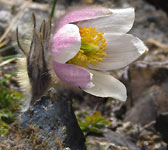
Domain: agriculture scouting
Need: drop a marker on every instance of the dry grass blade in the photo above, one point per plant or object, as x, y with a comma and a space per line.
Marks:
24, 5
43, 7
8, 2
3, 43
7, 61
34, 5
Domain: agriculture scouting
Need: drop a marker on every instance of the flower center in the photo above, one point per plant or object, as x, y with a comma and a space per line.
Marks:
92, 50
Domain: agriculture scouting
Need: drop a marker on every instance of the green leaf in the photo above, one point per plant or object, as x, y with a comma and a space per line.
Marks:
94, 123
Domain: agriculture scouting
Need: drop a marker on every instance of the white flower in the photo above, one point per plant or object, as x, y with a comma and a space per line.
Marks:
92, 41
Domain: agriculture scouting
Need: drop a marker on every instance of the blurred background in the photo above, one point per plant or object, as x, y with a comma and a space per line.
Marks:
141, 122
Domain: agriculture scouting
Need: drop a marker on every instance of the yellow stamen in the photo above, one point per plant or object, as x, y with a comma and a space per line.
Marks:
92, 50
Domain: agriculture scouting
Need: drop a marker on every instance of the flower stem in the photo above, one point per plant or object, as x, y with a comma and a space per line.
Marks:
53, 8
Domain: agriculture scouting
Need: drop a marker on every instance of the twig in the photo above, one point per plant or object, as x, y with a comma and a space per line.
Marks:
157, 43
147, 125
24, 5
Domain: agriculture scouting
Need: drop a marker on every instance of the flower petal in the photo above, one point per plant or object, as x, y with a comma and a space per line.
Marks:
82, 14
121, 51
73, 75
107, 86
66, 43
120, 21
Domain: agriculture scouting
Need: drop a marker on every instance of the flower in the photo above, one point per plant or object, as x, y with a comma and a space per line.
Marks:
92, 41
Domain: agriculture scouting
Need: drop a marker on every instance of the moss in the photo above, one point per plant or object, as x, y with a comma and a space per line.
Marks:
10, 102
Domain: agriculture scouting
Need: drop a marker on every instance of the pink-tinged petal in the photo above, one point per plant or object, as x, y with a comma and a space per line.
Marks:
66, 43
120, 21
73, 75
86, 13
107, 86
122, 49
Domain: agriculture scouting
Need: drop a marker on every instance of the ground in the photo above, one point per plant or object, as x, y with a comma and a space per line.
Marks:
141, 122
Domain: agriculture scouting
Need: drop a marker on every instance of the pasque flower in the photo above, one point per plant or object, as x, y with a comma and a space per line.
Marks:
91, 41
